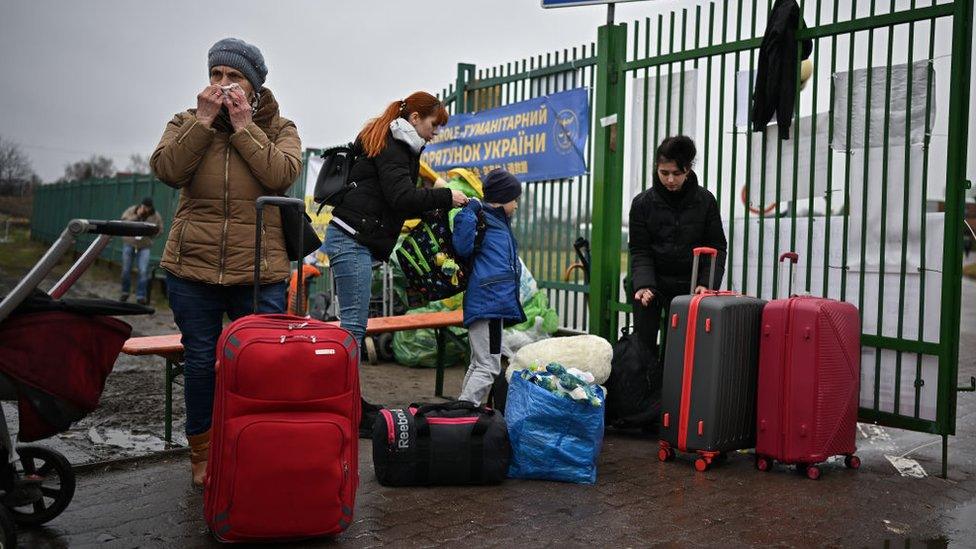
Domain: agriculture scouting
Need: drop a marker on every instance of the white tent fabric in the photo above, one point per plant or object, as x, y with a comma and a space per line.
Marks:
896, 105
685, 111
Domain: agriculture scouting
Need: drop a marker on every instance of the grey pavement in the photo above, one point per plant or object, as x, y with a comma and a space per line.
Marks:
636, 502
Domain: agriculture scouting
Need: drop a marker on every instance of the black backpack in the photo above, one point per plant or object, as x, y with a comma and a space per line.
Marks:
634, 385
333, 181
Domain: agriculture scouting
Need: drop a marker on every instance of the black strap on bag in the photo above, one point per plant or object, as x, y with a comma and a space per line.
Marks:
281, 202
478, 446
422, 464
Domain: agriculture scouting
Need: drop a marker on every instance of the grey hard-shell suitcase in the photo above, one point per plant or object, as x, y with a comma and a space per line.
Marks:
708, 399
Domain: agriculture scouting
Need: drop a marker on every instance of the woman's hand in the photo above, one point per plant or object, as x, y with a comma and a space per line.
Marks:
700, 290
208, 104
458, 198
238, 108
644, 296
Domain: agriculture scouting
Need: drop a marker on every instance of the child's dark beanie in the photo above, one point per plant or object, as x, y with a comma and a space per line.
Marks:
501, 187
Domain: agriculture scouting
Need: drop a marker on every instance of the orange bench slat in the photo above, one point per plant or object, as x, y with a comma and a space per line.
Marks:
169, 344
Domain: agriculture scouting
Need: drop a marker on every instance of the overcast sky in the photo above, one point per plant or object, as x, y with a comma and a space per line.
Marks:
104, 76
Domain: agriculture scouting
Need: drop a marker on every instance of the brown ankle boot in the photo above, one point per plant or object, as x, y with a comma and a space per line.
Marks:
199, 446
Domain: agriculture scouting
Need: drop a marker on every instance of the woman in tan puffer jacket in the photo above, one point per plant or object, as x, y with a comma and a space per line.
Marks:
223, 155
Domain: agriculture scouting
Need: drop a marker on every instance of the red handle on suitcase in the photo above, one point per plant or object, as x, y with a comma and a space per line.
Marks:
697, 253
281, 202
793, 257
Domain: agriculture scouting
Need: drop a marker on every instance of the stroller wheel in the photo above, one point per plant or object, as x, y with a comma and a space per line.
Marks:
8, 530
43, 488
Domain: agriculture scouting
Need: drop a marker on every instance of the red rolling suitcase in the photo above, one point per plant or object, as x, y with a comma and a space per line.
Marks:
809, 382
284, 452
708, 398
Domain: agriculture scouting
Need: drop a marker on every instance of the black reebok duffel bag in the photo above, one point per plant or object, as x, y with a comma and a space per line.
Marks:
453, 443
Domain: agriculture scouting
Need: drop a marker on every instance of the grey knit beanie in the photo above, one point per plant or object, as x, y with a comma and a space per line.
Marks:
238, 54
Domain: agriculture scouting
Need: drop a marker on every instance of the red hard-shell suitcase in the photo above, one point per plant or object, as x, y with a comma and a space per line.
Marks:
284, 454
809, 381
708, 396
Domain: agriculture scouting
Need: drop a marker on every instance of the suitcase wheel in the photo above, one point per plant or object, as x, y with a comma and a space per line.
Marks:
701, 465
852, 462
813, 472
763, 463
665, 454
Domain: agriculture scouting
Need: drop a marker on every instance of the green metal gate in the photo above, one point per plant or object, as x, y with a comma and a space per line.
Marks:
869, 187
552, 214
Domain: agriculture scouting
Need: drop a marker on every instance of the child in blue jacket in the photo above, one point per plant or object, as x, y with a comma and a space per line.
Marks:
492, 297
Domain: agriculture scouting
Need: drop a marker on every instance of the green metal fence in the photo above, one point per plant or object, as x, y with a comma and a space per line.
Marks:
106, 198
552, 214
868, 188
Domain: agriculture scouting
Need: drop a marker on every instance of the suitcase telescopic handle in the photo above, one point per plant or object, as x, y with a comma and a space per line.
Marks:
281, 202
697, 253
793, 258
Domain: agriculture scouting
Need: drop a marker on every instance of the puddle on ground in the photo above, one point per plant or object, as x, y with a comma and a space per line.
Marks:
133, 441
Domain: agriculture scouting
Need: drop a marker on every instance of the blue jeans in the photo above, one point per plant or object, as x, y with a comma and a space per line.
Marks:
352, 269
142, 264
199, 309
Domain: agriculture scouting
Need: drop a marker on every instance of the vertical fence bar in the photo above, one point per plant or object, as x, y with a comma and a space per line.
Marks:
607, 180
657, 84
708, 104
813, 155
884, 202
864, 202
906, 198
922, 221
647, 53
733, 176
830, 160
667, 127
955, 200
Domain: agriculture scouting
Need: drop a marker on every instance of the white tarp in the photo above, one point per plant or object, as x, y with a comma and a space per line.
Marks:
743, 101
773, 162
312, 169
833, 261
922, 289
866, 206
676, 111
895, 102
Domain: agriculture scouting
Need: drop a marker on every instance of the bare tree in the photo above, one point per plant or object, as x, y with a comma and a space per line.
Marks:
139, 164
16, 172
94, 167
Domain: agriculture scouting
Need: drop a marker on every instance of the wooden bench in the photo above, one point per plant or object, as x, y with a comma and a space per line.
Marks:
170, 349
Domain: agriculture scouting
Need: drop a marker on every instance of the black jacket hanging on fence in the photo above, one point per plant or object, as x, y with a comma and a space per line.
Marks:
776, 77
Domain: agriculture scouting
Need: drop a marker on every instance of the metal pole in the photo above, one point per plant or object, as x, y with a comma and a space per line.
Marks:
610, 10
608, 160
955, 198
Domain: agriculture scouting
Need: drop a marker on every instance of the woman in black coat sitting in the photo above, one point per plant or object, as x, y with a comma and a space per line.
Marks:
667, 221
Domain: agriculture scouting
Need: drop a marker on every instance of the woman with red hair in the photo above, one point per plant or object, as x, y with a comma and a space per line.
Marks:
366, 222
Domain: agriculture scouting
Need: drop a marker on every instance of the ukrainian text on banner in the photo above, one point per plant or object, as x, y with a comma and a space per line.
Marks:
539, 139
